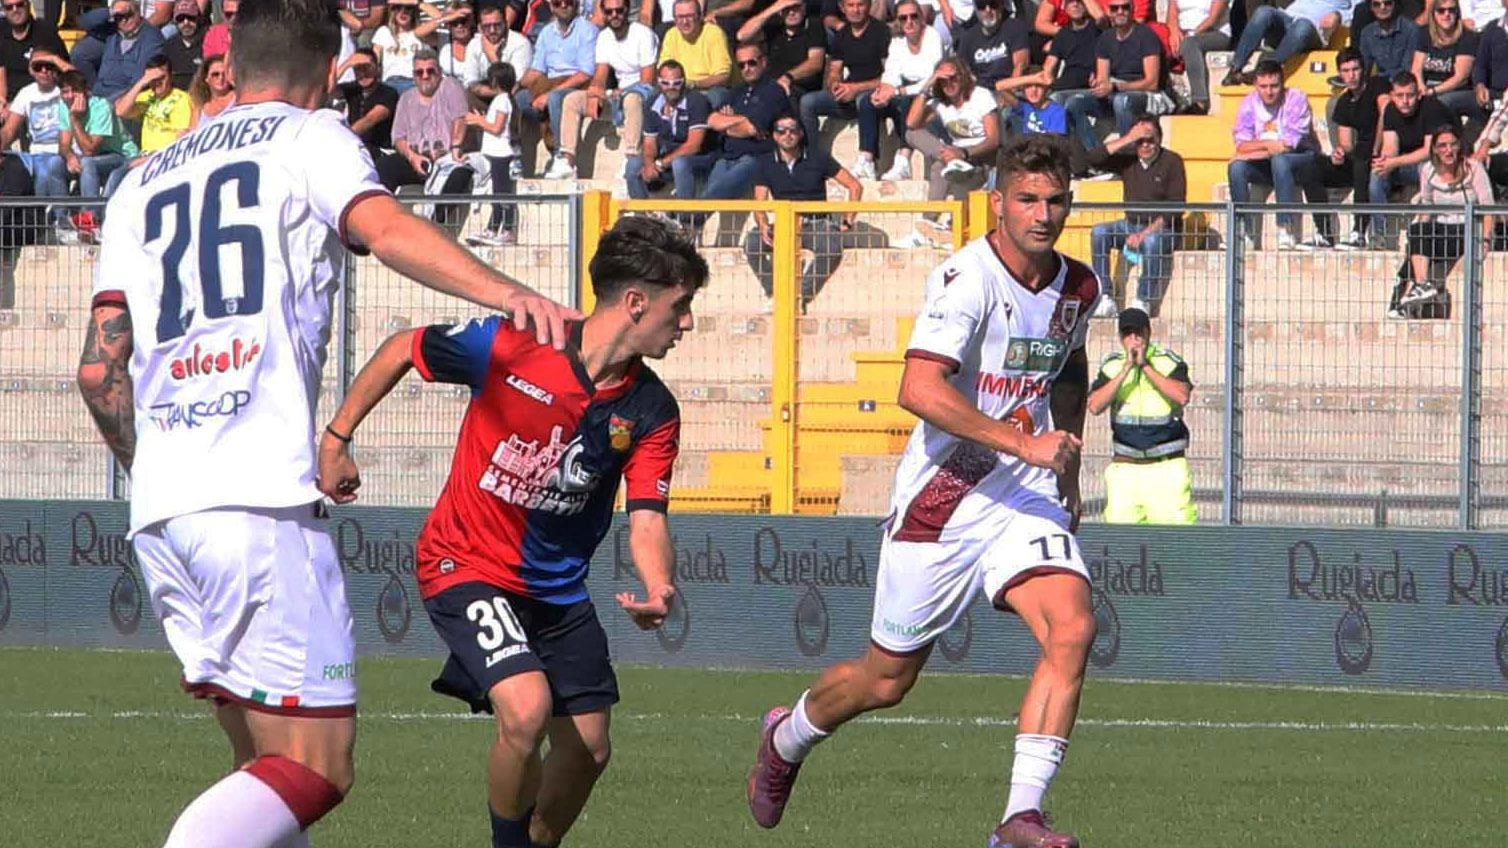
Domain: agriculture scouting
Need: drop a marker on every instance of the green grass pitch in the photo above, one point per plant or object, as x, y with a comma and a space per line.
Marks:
100, 749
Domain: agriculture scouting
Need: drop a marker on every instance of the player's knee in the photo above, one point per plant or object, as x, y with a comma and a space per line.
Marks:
521, 723
1073, 633
889, 690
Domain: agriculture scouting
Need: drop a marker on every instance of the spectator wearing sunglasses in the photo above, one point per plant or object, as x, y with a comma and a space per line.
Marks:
797, 45
747, 125
913, 56
371, 105
994, 47
624, 80
459, 26
1150, 173
164, 112
126, 53
1443, 64
1364, 13
855, 64
23, 35
217, 37
34, 111
565, 57
185, 47
403, 36
956, 127
793, 171
1388, 43
675, 138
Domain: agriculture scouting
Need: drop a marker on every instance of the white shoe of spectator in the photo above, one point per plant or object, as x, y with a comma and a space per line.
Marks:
957, 166
1286, 241
914, 239
516, 168
901, 168
945, 221
863, 168
1419, 293
1396, 314
1106, 309
1315, 242
560, 169
1354, 240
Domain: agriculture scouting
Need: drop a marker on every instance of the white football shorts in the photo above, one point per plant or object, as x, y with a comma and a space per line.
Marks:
254, 605
923, 588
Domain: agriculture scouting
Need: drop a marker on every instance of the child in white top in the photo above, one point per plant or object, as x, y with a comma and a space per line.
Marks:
498, 145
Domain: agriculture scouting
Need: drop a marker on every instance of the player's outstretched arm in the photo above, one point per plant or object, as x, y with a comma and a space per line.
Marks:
927, 393
654, 558
105, 381
422, 251
1069, 401
339, 477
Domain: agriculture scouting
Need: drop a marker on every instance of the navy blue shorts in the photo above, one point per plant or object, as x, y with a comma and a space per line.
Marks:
494, 634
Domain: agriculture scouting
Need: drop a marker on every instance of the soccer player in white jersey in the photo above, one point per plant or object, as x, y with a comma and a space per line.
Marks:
220, 259
986, 495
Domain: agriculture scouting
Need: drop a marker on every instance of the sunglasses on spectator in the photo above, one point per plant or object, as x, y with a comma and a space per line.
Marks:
672, 83
949, 80
221, 74
492, 26
1380, 4
10, 6
992, 7
1447, 145
120, 17
462, 22
910, 16
784, 129
1120, 7
750, 63
426, 73
44, 68
562, 4
614, 10
1447, 10
185, 18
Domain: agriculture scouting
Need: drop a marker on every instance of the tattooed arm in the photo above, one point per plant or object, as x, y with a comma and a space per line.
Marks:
105, 381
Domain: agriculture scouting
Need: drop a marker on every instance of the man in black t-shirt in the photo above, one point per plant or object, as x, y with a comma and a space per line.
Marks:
1127, 73
1354, 116
185, 51
1409, 123
796, 44
370, 105
994, 47
1072, 51
23, 34
855, 59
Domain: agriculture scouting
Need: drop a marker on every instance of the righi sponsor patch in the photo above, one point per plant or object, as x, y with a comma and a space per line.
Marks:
1037, 356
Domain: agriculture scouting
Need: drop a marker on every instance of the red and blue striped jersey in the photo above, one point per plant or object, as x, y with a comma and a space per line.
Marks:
538, 461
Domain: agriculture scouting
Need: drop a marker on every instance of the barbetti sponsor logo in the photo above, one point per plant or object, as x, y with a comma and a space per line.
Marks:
208, 361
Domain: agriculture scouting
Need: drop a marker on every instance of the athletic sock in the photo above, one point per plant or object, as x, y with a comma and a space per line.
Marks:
297, 840
510, 833
1037, 760
240, 810
797, 736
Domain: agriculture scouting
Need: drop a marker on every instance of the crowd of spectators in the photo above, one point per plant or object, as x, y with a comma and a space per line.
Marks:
448, 97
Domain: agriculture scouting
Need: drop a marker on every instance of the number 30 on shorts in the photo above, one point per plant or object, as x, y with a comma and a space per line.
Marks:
496, 623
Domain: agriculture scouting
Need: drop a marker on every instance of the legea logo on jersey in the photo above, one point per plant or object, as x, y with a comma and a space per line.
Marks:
529, 389
208, 362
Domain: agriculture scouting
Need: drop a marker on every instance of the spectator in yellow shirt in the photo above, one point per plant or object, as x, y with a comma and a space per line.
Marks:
165, 112
702, 50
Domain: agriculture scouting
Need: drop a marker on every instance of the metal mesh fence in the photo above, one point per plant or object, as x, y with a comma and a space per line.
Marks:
1493, 347
406, 445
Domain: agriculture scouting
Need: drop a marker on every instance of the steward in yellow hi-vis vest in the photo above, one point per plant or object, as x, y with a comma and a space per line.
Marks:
1145, 387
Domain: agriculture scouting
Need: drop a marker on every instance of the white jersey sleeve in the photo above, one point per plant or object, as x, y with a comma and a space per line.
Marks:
953, 315
339, 170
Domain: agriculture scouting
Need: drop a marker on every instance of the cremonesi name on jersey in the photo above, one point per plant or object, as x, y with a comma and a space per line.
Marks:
549, 478
229, 134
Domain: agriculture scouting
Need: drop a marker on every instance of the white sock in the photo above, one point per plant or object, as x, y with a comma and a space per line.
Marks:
238, 812
1037, 760
797, 736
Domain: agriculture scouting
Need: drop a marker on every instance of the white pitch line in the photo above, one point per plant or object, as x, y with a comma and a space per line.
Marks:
912, 721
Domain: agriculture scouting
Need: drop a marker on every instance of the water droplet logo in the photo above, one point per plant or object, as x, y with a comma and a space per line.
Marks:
1502, 648
125, 603
674, 630
393, 611
955, 643
5, 603
1106, 647
1353, 639
811, 624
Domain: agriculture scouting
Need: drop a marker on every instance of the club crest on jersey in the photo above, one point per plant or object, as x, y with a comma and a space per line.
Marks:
620, 433
1065, 317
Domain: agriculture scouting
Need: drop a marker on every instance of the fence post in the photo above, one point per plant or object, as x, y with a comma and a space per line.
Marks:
345, 340
574, 228
594, 216
1471, 372
785, 337
1235, 325
978, 207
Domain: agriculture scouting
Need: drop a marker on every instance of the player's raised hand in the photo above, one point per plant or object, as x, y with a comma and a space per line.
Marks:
650, 612
1053, 450
338, 476
549, 318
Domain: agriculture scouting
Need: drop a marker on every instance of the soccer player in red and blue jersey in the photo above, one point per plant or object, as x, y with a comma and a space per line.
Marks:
503, 558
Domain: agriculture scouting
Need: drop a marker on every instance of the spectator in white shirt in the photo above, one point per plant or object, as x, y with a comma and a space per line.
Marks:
626, 55
400, 38
35, 110
959, 159
459, 37
500, 146
496, 43
913, 56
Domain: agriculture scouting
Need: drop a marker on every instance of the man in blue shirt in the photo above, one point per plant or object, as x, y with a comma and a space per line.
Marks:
675, 134
793, 172
1031, 111
564, 58
1387, 44
127, 51
746, 124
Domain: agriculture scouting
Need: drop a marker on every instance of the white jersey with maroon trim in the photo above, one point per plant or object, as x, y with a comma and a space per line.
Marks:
1007, 345
226, 248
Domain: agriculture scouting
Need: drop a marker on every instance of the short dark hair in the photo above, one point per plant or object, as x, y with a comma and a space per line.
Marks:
671, 65
1150, 120
501, 76
645, 250
1404, 79
74, 80
1350, 54
1034, 153
158, 60
750, 45
1269, 68
369, 53
284, 43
